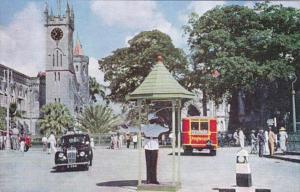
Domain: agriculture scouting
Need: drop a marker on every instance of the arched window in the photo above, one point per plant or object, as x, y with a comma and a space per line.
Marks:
54, 76
60, 59
76, 67
57, 57
55, 100
59, 100
53, 60
58, 76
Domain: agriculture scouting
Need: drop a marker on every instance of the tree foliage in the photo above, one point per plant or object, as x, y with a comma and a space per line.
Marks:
56, 118
253, 51
2, 118
96, 89
98, 119
127, 67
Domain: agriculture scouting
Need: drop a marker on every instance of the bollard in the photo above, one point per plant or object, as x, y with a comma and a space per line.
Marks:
243, 172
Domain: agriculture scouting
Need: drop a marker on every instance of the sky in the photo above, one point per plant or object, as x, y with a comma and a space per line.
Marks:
102, 27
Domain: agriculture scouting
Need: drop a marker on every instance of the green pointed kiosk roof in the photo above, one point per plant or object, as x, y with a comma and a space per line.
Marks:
160, 85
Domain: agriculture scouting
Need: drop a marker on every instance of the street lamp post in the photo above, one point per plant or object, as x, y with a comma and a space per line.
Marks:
8, 76
294, 105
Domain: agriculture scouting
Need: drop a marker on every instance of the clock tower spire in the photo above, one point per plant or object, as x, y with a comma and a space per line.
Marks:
59, 59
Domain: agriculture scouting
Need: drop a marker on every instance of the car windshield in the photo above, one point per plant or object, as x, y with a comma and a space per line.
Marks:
76, 139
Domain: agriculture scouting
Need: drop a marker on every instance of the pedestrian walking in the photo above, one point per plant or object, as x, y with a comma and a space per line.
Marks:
272, 140
266, 150
51, 143
236, 137
163, 139
128, 139
92, 144
261, 142
283, 139
44, 141
135, 140
253, 142
1, 141
120, 140
241, 138
14, 139
22, 143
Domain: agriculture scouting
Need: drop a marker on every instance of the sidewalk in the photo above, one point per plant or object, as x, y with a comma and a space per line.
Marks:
289, 156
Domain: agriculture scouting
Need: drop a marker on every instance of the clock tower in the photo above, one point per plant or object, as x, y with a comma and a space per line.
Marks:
60, 75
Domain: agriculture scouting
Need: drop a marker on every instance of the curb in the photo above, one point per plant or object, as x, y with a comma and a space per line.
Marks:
283, 158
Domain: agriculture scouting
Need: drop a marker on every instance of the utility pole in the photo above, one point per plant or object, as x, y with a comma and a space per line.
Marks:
294, 105
8, 79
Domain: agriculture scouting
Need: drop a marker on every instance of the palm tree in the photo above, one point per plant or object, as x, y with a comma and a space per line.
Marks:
56, 118
96, 89
14, 114
98, 119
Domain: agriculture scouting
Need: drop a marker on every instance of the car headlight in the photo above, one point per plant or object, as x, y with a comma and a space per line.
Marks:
82, 153
60, 155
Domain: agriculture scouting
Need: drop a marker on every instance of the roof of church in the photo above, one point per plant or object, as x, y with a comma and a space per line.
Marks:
78, 48
160, 85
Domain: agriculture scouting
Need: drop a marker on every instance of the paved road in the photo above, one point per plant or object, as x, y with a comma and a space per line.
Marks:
116, 171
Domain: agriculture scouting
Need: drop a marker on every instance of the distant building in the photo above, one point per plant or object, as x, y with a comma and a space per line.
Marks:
220, 112
65, 80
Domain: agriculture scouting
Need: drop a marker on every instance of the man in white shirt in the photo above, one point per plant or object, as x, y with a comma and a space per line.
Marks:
151, 133
135, 140
242, 138
52, 141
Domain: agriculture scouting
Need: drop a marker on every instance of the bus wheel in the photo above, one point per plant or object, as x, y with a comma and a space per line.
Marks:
188, 151
213, 152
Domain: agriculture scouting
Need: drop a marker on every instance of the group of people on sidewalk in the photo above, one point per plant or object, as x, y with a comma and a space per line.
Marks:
49, 143
18, 140
267, 141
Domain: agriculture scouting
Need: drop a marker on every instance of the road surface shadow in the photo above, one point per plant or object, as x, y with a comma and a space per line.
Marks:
68, 170
193, 154
120, 183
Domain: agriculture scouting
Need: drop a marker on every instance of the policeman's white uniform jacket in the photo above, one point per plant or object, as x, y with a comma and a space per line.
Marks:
151, 133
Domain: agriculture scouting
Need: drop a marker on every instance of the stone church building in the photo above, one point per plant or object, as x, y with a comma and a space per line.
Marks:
65, 80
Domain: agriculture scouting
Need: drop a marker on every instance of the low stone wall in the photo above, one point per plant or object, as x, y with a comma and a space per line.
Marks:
293, 144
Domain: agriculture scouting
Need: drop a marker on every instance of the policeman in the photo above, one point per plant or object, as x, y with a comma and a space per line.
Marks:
151, 133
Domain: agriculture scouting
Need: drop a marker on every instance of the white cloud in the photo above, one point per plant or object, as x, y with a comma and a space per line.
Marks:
199, 7
136, 15
22, 42
94, 71
295, 4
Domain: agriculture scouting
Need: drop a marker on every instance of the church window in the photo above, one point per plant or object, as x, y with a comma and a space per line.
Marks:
59, 100
54, 76
53, 60
76, 67
57, 57
55, 100
58, 76
60, 59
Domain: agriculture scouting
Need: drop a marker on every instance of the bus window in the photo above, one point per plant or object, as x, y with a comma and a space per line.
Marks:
204, 127
195, 126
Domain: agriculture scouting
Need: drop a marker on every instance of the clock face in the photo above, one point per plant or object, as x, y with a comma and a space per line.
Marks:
57, 34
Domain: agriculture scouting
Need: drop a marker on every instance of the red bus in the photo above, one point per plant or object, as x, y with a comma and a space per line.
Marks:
199, 133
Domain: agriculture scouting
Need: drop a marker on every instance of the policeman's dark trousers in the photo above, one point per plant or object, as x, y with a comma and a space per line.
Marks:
151, 162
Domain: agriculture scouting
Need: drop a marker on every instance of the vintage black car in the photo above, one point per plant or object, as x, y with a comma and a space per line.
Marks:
74, 151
